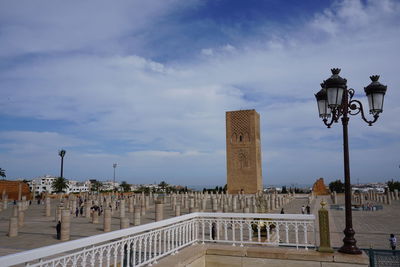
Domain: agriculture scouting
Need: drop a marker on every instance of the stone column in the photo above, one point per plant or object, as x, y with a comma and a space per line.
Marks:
65, 224
122, 208
136, 215
271, 201
225, 208
388, 200
324, 234
87, 209
15, 211
396, 194
107, 220
191, 205
131, 204
95, 217
142, 206
19, 191
334, 199
124, 222
59, 208
147, 202
21, 215
48, 207
159, 210
5, 201
13, 227
214, 204
234, 203
178, 210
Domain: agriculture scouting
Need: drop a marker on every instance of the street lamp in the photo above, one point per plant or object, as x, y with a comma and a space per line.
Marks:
114, 166
335, 100
61, 153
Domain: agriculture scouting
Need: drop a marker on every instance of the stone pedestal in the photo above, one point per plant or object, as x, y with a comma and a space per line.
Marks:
65, 224
87, 209
136, 216
95, 217
5, 202
48, 207
124, 222
246, 210
159, 210
15, 211
13, 227
122, 208
178, 210
131, 204
21, 217
107, 220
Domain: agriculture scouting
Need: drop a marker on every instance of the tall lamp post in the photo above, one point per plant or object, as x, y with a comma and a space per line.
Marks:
336, 101
114, 166
61, 153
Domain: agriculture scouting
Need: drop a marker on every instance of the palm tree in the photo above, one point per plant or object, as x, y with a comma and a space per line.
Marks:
125, 186
2, 173
163, 185
61, 153
59, 184
96, 186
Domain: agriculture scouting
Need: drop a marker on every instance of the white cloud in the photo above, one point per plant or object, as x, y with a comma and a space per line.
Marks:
171, 116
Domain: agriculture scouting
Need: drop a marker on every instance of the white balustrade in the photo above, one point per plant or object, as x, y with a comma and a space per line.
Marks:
145, 244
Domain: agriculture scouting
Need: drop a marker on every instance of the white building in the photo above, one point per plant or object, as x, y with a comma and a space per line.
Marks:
77, 187
109, 185
44, 185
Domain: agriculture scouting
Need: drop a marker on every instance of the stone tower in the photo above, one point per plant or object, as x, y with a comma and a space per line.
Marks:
243, 152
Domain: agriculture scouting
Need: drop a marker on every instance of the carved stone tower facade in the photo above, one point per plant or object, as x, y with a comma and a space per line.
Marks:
243, 152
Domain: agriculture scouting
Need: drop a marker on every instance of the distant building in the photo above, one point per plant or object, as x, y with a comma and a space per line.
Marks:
109, 186
44, 185
41, 184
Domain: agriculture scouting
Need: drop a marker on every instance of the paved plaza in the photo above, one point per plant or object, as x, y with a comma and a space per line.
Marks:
372, 227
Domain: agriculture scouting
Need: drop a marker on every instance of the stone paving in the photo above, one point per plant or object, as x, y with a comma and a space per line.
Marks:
372, 227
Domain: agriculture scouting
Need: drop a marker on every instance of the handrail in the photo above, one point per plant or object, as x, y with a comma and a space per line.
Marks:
46, 251
52, 250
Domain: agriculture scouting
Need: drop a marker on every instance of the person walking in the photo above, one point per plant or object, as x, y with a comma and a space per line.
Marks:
303, 209
76, 212
282, 211
308, 209
393, 241
58, 229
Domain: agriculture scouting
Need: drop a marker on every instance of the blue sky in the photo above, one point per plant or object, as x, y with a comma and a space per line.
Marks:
146, 84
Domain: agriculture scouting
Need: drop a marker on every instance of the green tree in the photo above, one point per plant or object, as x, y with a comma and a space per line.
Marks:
225, 188
163, 186
125, 186
96, 186
59, 184
284, 190
337, 186
3, 173
392, 185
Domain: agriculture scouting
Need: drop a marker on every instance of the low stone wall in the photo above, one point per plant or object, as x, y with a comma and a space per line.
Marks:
211, 255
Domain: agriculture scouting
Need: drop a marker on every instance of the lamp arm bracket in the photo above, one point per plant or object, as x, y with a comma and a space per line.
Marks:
357, 107
334, 118
351, 93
